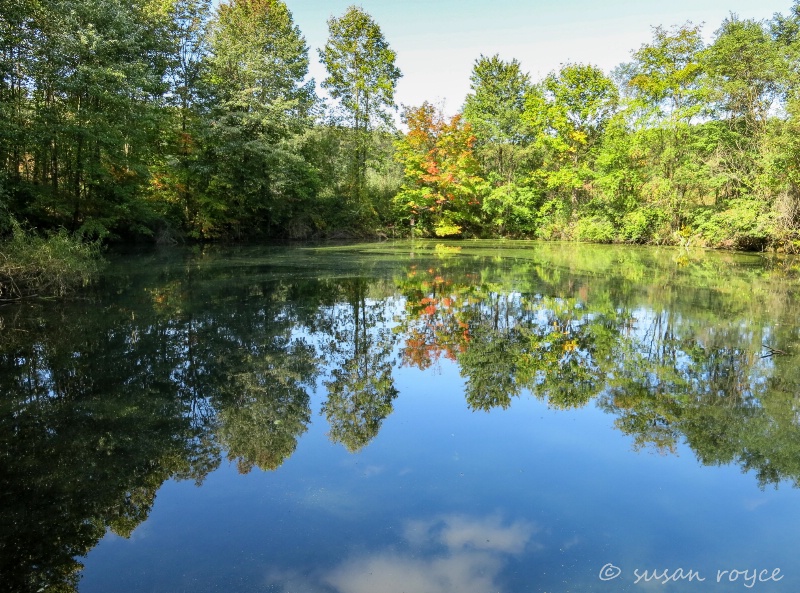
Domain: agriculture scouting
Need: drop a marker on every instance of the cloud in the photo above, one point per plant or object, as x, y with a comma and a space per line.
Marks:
295, 582
464, 572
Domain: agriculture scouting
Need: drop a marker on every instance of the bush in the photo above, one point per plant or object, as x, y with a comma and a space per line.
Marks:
744, 224
595, 230
553, 221
32, 265
639, 225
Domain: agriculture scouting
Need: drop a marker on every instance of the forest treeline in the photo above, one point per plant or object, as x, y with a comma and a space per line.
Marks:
172, 120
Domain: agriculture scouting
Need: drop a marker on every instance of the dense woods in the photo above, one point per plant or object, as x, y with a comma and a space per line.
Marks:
171, 120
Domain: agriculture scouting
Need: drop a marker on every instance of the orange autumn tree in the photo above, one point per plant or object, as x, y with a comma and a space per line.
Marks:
442, 187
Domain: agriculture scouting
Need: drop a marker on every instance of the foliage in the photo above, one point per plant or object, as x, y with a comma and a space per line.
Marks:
31, 265
442, 187
744, 68
261, 107
664, 77
362, 77
595, 230
180, 119
494, 108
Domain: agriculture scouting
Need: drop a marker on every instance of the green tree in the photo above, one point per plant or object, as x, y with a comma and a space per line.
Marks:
664, 76
362, 77
87, 89
175, 176
745, 70
494, 108
262, 104
662, 152
580, 100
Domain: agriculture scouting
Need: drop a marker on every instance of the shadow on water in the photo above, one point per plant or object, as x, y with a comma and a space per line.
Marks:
183, 358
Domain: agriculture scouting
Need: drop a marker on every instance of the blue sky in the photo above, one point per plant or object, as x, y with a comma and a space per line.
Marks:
437, 41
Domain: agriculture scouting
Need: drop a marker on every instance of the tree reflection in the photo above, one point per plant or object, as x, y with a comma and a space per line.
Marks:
85, 443
101, 404
359, 349
682, 365
268, 408
182, 361
504, 342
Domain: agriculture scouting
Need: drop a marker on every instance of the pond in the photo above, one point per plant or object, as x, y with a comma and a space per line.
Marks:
422, 417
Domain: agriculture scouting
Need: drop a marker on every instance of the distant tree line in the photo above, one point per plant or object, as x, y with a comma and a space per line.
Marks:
173, 120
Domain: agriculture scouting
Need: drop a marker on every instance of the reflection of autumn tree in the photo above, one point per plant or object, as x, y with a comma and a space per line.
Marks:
359, 348
504, 342
667, 373
433, 325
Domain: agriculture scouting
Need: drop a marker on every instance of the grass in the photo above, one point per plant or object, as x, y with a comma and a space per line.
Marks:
55, 265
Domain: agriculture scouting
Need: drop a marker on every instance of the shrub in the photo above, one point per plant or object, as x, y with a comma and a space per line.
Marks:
744, 224
639, 225
596, 229
32, 265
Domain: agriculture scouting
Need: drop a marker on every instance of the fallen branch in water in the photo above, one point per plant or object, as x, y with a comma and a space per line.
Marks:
772, 351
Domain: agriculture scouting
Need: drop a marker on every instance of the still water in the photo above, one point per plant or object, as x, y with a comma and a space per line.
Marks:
397, 417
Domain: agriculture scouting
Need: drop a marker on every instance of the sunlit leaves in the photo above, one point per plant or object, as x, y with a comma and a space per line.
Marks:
442, 188
664, 76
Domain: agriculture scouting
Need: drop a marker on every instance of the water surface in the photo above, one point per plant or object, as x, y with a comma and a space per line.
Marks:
421, 418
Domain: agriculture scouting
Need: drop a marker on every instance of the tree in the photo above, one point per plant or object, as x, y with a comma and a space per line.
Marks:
362, 76
745, 68
494, 108
665, 152
85, 82
579, 101
261, 106
505, 142
663, 77
174, 172
442, 186
745, 71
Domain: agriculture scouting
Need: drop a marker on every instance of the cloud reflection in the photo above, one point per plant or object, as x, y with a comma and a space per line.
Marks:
458, 532
447, 554
463, 572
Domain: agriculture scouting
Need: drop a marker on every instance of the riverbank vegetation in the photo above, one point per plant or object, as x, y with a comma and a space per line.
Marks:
32, 265
171, 120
